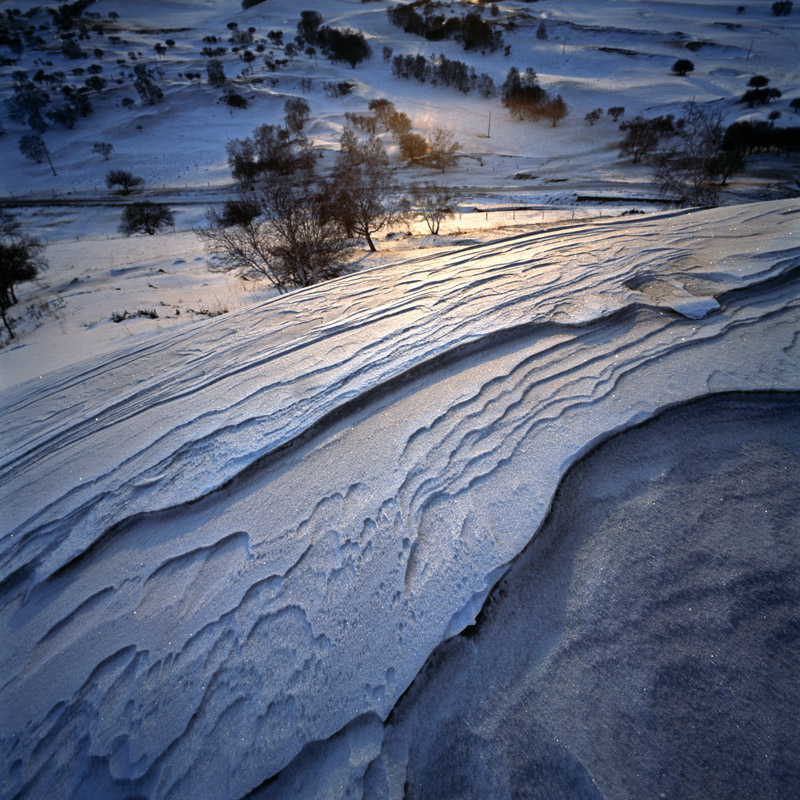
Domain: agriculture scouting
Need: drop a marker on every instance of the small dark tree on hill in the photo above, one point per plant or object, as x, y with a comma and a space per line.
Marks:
103, 149
759, 92
760, 96
234, 99
308, 26
144, 83
477, 34
145, 217
615, 112
344, 45
122, 180
216, 73
65, 115
724, 164
28, 102
594, 115
270, 151
95, 83
782, 8
682, 66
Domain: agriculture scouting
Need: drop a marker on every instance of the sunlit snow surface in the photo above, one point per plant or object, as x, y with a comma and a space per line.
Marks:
243, 538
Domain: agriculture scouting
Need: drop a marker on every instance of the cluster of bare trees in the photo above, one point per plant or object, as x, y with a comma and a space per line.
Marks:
437, 152
526, 99
295, 227
471, 30
689, 171
687, 158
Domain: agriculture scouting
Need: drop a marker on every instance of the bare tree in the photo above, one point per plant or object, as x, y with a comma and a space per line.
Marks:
363, 190
145, 217
433, 204
283, 232
413, 148
687, 172
383, 110
641, 138
555, 109
269, 152
296, 112
442, 149
21, 259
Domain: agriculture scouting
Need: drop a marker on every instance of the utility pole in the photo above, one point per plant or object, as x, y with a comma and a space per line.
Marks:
489, 129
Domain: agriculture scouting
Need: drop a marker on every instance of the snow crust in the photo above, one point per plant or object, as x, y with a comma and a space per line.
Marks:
641, 645
229, 542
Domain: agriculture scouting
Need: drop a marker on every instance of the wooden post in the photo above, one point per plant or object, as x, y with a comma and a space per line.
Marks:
489, 129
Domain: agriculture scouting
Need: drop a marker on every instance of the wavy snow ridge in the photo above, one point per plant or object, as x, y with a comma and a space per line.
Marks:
245, 537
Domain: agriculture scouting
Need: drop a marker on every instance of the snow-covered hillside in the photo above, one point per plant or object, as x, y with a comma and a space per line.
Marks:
510, 511
604, 54
248, 536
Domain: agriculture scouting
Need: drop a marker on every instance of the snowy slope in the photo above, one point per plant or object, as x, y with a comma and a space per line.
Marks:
603, 54
243, 537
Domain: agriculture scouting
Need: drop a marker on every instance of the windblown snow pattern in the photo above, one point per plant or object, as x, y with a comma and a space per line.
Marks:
229, 551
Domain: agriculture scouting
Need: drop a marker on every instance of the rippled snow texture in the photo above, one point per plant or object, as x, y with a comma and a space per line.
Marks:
646, 643
237, 540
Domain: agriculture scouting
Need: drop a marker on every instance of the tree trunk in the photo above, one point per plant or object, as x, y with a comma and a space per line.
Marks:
49, 161
371, 244
5, 321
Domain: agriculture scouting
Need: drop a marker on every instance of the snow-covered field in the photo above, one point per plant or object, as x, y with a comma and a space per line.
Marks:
508, 512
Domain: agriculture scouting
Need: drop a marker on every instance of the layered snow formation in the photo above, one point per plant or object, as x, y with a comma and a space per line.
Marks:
227, 552
645, 644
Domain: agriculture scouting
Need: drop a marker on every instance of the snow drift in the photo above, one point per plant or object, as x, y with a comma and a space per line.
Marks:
234, 541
